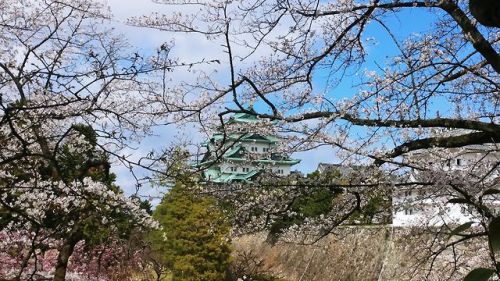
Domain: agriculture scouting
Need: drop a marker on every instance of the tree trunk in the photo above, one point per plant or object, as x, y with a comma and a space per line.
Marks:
63, 258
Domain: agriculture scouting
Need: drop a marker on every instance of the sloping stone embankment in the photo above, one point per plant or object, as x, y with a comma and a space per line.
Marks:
365, 253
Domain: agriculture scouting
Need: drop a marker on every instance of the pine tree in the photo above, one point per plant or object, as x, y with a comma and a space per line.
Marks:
194, 241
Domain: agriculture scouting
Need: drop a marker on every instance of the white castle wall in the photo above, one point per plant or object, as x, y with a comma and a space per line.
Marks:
422, 206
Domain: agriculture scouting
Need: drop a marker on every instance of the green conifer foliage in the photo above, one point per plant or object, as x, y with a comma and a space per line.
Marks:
194, 241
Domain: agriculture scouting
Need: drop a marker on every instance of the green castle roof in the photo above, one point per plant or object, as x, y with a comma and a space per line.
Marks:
244, 138
243, 117
233, 152
235, 177
232, 155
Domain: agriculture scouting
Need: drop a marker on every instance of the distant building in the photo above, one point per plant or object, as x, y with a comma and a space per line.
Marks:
428, 205
243, 152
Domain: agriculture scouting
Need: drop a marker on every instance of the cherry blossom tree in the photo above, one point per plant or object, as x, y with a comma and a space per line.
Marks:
73, 96
110, 260
433, 89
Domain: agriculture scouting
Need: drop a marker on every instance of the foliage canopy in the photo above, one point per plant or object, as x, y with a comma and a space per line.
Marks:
194, 242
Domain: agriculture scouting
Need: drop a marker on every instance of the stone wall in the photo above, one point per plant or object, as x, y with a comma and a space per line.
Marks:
365, 253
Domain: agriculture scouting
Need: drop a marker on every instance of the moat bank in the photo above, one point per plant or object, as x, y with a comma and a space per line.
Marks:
365, 253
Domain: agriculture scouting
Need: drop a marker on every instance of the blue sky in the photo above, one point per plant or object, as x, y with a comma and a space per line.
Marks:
194, 47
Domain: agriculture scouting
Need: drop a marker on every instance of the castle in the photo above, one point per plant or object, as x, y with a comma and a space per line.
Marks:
243, 148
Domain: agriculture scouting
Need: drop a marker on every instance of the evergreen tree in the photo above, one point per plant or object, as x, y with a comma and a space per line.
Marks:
193, 243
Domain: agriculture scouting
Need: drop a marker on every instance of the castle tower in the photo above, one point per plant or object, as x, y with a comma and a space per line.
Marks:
243, 152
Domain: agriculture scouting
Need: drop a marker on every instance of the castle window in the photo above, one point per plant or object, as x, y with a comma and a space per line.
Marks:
233, 169
246, 170
409, 211
459, 162
253, 148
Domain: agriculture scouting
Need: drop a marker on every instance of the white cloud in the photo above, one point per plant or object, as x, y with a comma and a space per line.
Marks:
188, 47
